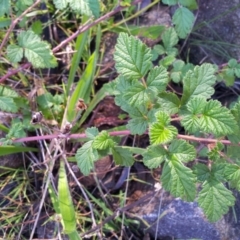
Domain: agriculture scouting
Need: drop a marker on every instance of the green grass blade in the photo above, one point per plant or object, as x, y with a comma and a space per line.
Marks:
65, 201
97, 98
80, 44
5, 150
74, 236
83, 87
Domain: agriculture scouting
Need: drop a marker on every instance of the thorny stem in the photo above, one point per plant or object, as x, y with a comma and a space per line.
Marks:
119, 133
80, 30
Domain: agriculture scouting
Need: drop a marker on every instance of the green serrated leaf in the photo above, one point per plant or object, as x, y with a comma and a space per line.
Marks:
122, 156
160, 131
176, 74
199, 82
8, 92
201, 171
183, 20
138, 124
37, 52
217, 119
102, 141
191, 118
182, 150
209, 117
89, 8
157, 79
14, 53
7, 104
92, 132
85, 157
169, 102
132, 57
5, 7
169, 39
137, 94
215, 199
179, 180
232, 174
154, 156
16, 131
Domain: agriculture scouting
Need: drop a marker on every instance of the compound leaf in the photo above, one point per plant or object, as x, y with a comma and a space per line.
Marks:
122, 156
154, 156
7, 104
178, 179
89, 8
169, 102
133, 58
103, 141
183, 20
137, 94
215, 199
232, 174
198, 82
160, 131
85, 157
37, 52
157, 80
92, 132
139, 122
217, 119
86, 7
182, 150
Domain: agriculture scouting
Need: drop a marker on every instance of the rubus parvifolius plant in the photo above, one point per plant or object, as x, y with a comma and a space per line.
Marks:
141, 91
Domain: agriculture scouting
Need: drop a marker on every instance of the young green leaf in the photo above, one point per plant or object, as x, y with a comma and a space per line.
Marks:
232, 174
85, 157
169, 102
215, 199
7, 104
37, 52
198, 82
160, 131
89, 8
133, 58
178, 179
170, 39
183, 20
102, 141
154, 156
92, 132
182, 151
122, 156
